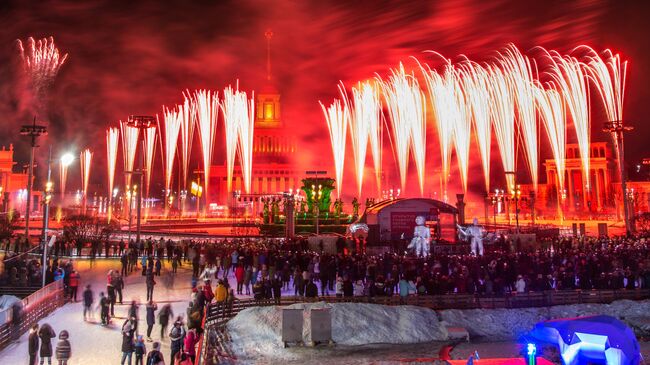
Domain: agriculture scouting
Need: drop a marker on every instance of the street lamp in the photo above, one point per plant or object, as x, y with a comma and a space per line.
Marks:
616, 129
33, 131
316, 195
142, 122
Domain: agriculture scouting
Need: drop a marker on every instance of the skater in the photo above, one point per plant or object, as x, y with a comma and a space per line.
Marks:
150, 284
63, 349
105, 305
191, 339
176, 335
127, 340
110, 290
152, 307
119, 285
46, 334
163, 318
74, 284
134, 314
158, 266
33, 344
88, 302
155, 357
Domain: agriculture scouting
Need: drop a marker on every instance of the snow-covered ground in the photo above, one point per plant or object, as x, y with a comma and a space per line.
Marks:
98, 345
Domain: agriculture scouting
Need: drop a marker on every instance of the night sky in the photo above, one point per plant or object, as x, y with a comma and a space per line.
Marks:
133, 57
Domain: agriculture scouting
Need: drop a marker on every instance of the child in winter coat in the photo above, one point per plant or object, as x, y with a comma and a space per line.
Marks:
46, 334
140, 350
63, 350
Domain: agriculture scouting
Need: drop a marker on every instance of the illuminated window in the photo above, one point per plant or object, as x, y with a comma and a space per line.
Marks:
268, 110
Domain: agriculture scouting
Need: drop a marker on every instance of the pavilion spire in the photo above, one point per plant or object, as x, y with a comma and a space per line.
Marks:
268, 34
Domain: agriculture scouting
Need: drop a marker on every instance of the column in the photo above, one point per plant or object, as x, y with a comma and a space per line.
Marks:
599, 206
569, 189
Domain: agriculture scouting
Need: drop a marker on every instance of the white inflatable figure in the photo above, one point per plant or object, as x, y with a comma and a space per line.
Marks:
476, 233
421, 238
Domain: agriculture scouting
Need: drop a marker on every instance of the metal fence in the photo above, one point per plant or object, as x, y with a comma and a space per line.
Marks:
217, 316
34, 307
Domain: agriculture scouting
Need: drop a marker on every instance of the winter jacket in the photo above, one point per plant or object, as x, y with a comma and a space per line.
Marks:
240, 273
74, 279
155, 357
33, 342
127, 337
151, 314
405, 287
46, 334
220, 293
88, 297
191, 339
140, 348
63, 350
176, 336
311, 291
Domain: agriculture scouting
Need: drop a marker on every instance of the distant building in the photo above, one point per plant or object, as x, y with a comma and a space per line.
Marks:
13, 185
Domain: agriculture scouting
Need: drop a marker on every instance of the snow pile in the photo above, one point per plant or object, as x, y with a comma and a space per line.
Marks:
256, 332
506, 324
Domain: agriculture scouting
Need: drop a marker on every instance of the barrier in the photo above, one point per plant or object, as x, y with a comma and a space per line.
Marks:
34, 307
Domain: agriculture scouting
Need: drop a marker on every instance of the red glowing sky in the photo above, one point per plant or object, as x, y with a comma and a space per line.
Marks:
132, 58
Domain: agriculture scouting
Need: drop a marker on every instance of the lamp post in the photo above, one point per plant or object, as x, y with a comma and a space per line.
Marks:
515, 192
316, 195
33, 131
616, 129
46, 213
142, 122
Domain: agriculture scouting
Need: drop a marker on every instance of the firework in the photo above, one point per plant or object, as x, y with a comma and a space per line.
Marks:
112, 140
41, 61
187, 134
169, 141
86, 159
568, 74
149, 153
246, 130
337, 116
442, 96
206, 105
408, 122
517, 67
368, 98
129, 147
232, 110
608, 76
475, 84
503, 119
550, 106
462, 129
65, 161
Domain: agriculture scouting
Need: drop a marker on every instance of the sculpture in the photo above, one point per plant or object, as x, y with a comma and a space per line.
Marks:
355, 207
421, 238
475, 234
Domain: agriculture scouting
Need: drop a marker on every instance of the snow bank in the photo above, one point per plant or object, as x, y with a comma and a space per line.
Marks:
256, 332
506, 324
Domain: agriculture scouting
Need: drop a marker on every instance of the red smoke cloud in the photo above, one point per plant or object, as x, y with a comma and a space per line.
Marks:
133, 58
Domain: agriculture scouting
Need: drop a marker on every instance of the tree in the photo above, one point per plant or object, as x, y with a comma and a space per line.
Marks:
84, 228
7, 225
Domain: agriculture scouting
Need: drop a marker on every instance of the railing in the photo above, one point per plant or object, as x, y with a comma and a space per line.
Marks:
217, 316
34, 308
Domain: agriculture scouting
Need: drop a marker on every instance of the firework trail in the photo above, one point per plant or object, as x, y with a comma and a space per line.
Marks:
568, 74
206, 105
86, 159
64, 163
149, 153
169, 141
517, 67
407, 112
462, 130
444, 104
337, 116
232, 110
112, 141
607, 74
550, 106
187, 135
361, 119
246, 132
475, 83
129, 147
503, 118
41, 62
368, 98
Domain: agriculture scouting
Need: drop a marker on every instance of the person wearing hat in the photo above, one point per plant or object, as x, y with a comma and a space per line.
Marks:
140, 350
63, 349
46, 334
127, 340
152, 307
